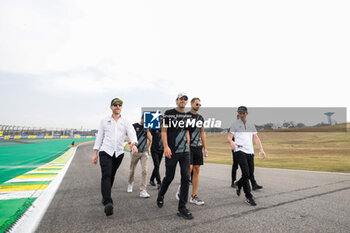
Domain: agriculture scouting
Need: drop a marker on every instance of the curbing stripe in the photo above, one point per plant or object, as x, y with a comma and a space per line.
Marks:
48, 168
36, 176
20, 194
28, 179
41, 172
22, 187
28, 182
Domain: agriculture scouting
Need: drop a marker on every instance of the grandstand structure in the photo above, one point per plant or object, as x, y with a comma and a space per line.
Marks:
27, 132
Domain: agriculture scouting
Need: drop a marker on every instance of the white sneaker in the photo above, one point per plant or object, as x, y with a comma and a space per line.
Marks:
144, 194
196, 200
177, 195
129, 188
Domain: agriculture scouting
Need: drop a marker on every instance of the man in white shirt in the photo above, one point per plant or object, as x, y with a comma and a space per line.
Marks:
109, 145
243, 133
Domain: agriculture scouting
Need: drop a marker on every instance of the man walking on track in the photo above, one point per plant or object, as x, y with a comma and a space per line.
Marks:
197, 135
243, 133
144, 138
157, 151
109, 146
175, 137
234, 160
255, 186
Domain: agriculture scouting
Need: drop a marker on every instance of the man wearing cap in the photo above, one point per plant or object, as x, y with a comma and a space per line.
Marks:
197, 146
109, 147
175, 137
255, 186
243, 133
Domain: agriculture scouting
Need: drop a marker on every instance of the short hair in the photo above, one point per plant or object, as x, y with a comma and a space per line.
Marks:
194, 99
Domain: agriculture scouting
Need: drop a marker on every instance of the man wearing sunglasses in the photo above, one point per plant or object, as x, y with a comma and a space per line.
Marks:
109, 148
175, 137
197, 145
244, 132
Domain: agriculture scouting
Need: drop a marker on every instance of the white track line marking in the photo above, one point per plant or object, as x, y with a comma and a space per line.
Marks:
20, 194
29, 179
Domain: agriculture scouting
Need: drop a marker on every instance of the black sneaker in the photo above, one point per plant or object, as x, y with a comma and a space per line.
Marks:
185, 213
103, 201
151, 182
238, 190
256, 187
233, 185
160, 201
109, 209
250, 201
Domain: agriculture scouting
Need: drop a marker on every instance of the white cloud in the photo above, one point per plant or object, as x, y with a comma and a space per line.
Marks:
228, 53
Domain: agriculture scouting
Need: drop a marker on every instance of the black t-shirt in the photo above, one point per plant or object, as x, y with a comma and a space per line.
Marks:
157, 143
141, 134
176, 130
195, 132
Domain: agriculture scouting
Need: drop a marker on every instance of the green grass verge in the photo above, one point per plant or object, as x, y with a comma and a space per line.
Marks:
19, 159
316, 151
11, 210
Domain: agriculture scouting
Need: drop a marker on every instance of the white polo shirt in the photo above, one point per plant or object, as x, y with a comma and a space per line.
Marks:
111, 135
243, 134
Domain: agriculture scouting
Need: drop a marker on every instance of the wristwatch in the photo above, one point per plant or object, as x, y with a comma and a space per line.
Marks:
134, 144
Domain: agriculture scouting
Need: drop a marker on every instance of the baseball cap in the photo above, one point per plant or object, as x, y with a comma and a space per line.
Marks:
116, 100
242, 109
181, 94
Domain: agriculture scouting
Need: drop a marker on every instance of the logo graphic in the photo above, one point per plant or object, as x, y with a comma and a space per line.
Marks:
151, 119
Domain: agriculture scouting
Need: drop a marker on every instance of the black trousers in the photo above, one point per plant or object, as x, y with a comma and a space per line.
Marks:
246, 163
109, 166
235, 167
157, 159
170, 168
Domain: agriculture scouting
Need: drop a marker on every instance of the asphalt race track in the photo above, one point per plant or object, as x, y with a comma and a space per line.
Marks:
291, 201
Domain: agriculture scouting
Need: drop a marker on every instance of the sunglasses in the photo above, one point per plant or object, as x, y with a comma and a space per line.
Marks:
198, 105
119, 105
184, 98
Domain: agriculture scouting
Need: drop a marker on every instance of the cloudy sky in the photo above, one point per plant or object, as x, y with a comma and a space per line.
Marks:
61, 62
